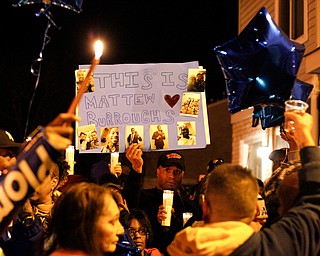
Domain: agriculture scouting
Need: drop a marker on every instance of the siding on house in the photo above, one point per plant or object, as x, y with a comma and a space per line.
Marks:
308, 72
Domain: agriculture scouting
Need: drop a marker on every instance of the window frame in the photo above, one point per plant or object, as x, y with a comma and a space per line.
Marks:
304, 37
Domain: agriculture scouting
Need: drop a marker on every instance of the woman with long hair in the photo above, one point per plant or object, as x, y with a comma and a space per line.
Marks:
85, 221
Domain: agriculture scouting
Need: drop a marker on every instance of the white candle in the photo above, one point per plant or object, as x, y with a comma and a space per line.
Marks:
167, 203
98, 48
113, 162
70, 159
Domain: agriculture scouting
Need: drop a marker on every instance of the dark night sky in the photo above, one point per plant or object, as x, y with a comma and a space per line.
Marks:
134, 32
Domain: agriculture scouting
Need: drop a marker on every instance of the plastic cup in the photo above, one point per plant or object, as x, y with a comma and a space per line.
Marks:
296, 106
167, 203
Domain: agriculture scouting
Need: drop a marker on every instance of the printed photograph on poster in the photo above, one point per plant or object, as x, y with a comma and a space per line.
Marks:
196, 79
159, 136
186, 133
80, 76
130, 95
109, 139
134, 134
190, 104
87, 137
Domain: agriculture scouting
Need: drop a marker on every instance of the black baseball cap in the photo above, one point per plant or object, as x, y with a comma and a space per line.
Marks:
170, 159
7, 141
278, 154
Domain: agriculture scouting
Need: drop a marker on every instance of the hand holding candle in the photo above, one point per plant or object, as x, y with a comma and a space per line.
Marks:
167, 203
98, 47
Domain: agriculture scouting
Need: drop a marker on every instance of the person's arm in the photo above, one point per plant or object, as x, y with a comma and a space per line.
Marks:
154, 135
300, 226
302, 134
31, 167
134, 155
133, 184
293, 152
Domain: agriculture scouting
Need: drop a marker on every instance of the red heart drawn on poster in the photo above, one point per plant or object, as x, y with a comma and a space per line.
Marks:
171, 100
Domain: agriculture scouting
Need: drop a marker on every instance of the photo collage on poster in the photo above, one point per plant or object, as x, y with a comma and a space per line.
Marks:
109, 139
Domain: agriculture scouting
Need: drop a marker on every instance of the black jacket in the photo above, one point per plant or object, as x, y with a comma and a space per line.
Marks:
150, 200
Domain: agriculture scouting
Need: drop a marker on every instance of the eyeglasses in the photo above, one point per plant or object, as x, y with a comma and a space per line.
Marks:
132, 232
175, 172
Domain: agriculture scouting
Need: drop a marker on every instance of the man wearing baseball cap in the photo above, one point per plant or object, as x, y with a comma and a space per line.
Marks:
8, 151
170, 172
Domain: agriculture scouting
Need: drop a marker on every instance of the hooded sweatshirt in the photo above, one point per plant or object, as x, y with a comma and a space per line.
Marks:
220, 238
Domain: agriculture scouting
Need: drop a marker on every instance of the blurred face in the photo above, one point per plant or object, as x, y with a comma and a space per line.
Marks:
43, 193
137, 234
132, 130
185, 132
94, 136
169, 177
114, 135
109, 226
7, 160
80, 76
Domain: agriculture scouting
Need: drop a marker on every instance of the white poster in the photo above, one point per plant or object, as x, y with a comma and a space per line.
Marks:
140, 103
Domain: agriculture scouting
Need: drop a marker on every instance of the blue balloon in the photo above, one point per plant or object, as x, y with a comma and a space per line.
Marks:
259, 65
272, 116
269, 116
301, 90
73, 5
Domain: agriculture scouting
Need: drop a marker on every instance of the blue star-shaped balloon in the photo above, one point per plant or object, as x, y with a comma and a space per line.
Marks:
271, 116
73, 5
259, 65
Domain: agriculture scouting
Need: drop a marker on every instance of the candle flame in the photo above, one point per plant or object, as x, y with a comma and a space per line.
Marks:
98, 48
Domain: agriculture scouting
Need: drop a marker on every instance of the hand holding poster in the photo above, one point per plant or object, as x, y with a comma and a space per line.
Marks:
31, 168
149, 99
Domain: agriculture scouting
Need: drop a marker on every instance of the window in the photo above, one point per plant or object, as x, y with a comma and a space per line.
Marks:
292, 18
254, 161
255, 155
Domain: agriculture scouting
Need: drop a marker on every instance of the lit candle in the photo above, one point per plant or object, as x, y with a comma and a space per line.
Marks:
98, 48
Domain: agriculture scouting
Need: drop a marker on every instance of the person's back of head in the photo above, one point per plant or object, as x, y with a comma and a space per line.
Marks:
72, 180
271, 189
231, 194
287, 192
278, 157
212, 164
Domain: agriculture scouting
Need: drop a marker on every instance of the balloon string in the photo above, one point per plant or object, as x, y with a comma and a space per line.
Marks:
34, 70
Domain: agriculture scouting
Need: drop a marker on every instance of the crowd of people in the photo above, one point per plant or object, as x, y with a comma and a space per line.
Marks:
72, 215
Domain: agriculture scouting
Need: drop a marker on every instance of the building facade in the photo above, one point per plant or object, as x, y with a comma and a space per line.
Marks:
300, 20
